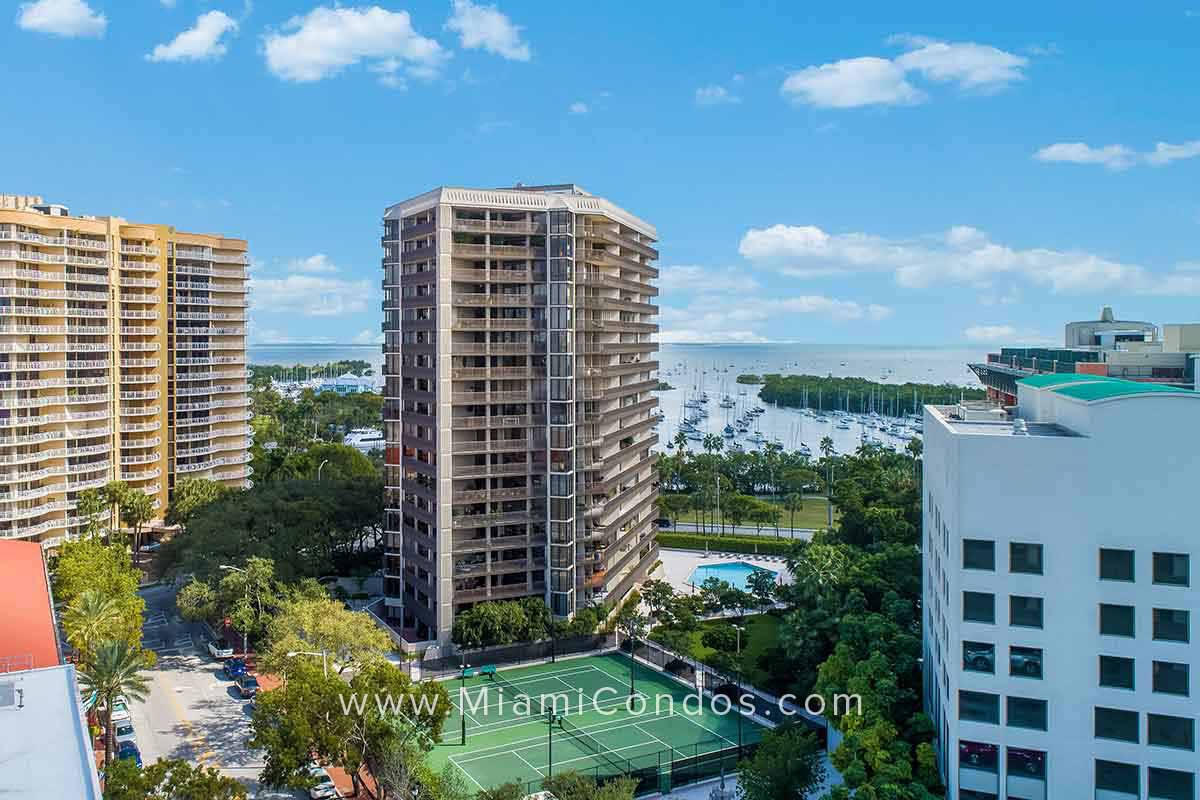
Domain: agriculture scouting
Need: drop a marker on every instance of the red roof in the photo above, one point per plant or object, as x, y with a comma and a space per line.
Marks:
27, 630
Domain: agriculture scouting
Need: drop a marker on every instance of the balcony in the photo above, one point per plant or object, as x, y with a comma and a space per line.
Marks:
497, 421
496, 446
496, 251
499, 226
140, 283
128, 248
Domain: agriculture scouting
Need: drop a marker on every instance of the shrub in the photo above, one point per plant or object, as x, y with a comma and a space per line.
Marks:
762, 545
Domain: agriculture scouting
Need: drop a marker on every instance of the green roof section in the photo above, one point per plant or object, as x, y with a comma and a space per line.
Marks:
1114, 387
1049, 379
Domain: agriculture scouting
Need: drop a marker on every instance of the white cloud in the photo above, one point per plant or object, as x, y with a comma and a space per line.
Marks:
487, 28
851, 83
368, 336
1165, 153
69, 18
578, 108
962, 256
276, 336
200, 42
968, 64
734, 314
325, 41
167, 3
1117, 156
687, 277
1006, 334
310, 295
715, 95
318, 263
877, 81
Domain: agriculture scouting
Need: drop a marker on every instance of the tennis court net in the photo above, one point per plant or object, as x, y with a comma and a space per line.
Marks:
509, 688
589, 742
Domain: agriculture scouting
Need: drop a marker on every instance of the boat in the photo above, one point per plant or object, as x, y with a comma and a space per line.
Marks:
842, 424
364, 439
728, 432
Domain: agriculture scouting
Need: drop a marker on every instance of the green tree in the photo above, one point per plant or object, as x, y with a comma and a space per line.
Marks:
512, 790
91, 565
348, 639
115, 671
737, 508
713, 592
92, 505
721, 637
761, 584
249, 596
792, 503
826, 447
673, 506
137, 508
571, 785
787, 765
191, 495
172, 779
659, 596
91, 618
197, 602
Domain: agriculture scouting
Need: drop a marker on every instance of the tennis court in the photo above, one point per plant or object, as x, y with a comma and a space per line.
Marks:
597, 730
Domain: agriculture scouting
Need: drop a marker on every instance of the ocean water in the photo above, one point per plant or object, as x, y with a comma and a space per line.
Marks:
714, 369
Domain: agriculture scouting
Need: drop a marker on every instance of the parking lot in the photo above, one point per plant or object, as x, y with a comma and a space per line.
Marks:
192, 711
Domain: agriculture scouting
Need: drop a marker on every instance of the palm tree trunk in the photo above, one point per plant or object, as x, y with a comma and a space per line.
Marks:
108, 732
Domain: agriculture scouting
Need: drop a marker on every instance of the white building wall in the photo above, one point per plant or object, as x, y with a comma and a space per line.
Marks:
1130, 484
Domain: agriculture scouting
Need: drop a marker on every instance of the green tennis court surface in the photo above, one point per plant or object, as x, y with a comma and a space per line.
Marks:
602, 735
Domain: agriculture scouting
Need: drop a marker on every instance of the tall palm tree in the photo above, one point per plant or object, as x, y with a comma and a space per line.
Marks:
826, 446
115, 671
793, 502
88, 620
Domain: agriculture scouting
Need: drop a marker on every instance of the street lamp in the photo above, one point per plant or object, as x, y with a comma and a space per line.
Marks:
246, 633
738, 664
324, 654
551, 718
462, 693
320, 467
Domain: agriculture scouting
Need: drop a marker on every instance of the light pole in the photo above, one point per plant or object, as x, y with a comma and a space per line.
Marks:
321, 467
324, 654
720, 519
462, 693
738, 663
245, 633
551, 718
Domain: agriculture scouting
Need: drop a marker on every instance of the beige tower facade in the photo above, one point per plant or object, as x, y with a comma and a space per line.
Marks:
519, 363
122, 357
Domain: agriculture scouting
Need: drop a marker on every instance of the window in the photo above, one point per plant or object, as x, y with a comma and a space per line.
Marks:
1116, 723
1028, 763
979, 657
1170, 625
1026, 712
1025, 661
1112, 776
1171, 678
979, 607
1025, 557
1025, 611
1171, 569
1164, 731
1171, 784
1116, 565
1116, 672
979, 554
979, 707
978, 755
1116, 620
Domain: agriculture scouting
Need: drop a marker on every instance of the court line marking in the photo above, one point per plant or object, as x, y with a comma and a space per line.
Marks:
533, 678
507, 724
464, 771
701, 727
652, 736
525, 744
526, 763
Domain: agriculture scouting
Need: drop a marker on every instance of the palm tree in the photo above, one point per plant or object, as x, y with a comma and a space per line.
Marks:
712, 443
826, 446
115, 671
88, 620
793, 502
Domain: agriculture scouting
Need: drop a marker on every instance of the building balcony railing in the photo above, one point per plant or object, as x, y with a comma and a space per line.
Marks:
499, 226
139, 249
496, 446
496, 251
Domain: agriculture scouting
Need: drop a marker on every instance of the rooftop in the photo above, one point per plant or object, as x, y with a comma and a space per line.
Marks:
28, 636
954, 419
1091, 388
45, 749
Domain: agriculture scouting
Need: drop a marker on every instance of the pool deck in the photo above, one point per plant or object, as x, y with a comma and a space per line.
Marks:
677, 565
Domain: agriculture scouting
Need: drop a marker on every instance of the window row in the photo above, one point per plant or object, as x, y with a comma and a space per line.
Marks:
1024, 662
1021, 712
1025, 612
1167, 677
1169, 569
1123, 725
1125, 779
1169, 624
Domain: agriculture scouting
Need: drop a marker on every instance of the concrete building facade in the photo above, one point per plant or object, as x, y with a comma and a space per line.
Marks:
1058, 544
122, 357
519, 420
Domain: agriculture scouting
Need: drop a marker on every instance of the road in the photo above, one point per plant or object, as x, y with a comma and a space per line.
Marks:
743, 530
191, 712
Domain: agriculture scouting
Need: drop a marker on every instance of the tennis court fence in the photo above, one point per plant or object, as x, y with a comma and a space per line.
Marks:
666, 770
519, 653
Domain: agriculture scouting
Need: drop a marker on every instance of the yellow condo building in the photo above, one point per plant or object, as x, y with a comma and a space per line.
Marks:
122, 356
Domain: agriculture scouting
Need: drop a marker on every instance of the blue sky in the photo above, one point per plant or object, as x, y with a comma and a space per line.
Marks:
923, 175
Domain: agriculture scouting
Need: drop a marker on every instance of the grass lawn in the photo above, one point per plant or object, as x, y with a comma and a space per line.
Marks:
762, 631
813, 515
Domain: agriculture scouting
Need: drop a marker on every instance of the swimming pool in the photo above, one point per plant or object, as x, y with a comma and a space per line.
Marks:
735, 573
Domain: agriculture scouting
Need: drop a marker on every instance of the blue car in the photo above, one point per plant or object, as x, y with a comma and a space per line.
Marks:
234, 668
128, 751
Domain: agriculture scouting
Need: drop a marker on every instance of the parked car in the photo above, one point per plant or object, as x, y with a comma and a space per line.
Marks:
120, 709
324, 789
1025, 664
1031, 762
150, 547
124, 732
977, 754
128, 751
247, 684
234, 668
980, 659
220, 648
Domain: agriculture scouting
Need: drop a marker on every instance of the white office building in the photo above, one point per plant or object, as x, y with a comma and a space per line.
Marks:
1058, 542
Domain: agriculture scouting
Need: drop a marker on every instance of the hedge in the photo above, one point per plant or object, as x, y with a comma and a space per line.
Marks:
762, 545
